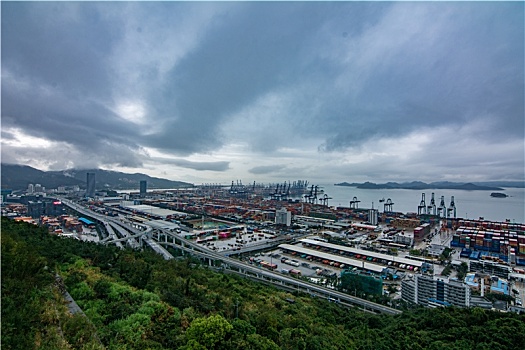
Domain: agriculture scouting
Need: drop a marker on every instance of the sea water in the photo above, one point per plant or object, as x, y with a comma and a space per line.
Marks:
469, 204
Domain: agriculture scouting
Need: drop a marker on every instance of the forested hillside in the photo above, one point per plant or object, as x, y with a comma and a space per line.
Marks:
136, 300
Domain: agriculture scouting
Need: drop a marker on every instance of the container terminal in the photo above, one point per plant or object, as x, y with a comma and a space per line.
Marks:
290, 228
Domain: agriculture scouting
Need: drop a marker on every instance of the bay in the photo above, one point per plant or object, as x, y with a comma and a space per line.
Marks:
469, 204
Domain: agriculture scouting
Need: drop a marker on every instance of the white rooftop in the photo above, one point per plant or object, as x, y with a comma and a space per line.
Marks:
151, 210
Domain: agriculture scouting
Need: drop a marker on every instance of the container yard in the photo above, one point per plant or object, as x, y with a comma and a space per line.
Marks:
505, 240
311, 240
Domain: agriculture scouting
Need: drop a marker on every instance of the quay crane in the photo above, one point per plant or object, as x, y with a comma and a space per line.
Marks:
308, 196
354, 203
324, 199
442, 210
431, 209
388, 206
451, 208
314, 198
237, 188
285, 192
422, 207
277, 194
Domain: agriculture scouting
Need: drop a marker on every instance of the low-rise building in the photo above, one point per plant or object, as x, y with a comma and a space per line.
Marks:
283, 217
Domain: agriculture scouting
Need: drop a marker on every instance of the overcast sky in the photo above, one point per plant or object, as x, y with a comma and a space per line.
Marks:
214, 92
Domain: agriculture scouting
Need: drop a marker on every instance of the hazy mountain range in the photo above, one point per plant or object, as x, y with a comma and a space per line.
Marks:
443, 185
18, 177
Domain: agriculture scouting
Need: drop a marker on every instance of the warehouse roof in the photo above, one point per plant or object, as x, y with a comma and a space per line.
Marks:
356, 251
350, 262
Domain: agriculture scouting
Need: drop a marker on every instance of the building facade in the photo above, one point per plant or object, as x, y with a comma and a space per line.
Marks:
35, 209
283, 217
90, 185
429, 291
143, 188
372, 216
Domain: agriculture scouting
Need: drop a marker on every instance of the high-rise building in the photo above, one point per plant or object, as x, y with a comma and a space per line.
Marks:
35, 209
54, 208
90, 185
372, 216
30, 189
143, 188
283, 217
429, 291
39, 188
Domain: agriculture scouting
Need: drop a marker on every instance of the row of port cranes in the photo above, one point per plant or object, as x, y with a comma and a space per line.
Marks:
442, 211
316, 196
288, 190
388, 205
276, 191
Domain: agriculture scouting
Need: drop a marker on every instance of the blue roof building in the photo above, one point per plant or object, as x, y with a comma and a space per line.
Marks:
86, 221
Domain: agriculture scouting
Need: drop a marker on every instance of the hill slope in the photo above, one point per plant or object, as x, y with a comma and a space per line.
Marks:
18, 177
118, 180
138, 300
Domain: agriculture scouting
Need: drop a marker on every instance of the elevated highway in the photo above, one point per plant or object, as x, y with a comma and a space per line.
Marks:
267, 276
156, 238
110, 224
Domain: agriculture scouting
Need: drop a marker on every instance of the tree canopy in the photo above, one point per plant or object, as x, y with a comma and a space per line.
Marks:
137, 300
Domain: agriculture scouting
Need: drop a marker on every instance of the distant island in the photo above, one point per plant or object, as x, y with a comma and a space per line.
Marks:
418, 185
498, 195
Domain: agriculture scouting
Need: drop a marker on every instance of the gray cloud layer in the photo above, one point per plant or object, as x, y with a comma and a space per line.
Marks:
109, 82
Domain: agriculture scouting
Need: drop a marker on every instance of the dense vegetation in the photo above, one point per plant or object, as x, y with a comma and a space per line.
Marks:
136, 300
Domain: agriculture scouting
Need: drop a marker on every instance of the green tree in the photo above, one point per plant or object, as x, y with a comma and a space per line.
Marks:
211, 332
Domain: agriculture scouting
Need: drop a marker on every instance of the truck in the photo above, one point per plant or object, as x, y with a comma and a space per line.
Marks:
225, 234
268, 265
295, 272
293, 263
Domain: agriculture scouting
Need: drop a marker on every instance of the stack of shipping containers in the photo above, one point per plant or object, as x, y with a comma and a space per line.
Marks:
421, 231
502, 238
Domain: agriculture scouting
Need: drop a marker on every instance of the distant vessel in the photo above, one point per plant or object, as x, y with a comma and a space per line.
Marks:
498, 195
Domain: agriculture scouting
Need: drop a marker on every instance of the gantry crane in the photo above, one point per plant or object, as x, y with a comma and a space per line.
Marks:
451, 208
354, 203
422, 207
442, 209
431, 209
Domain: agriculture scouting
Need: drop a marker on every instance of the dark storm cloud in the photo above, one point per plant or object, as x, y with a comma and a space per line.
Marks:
249, 51
55, 80
441, 72
266, 169
110, 80
199, 166
63, 45
89, 126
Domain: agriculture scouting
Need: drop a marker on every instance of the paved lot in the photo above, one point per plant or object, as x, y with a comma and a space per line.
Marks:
307, 268
238, 242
